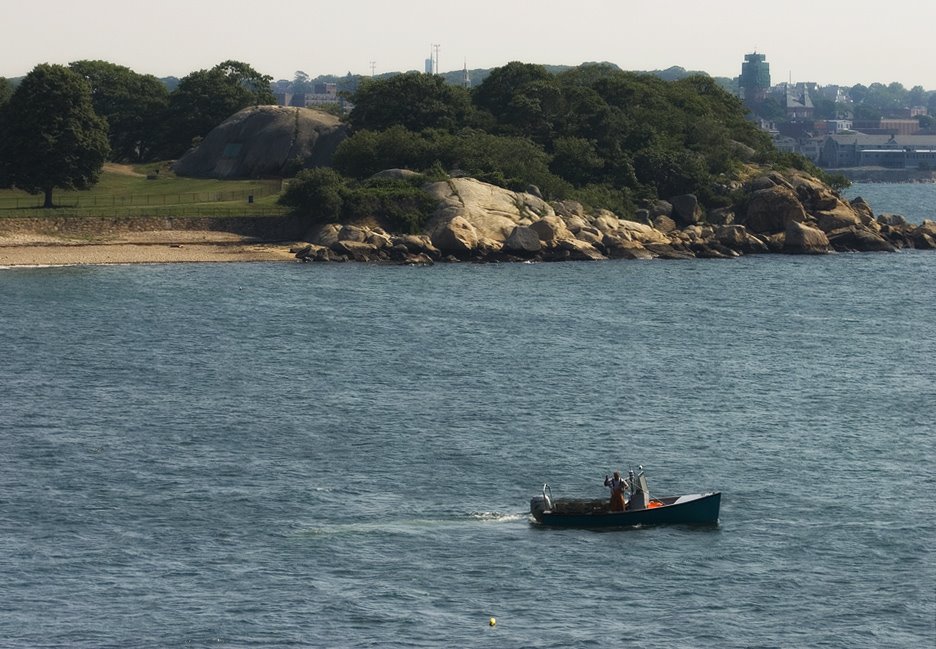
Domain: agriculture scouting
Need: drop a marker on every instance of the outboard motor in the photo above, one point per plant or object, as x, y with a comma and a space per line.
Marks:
540, 504
640, 493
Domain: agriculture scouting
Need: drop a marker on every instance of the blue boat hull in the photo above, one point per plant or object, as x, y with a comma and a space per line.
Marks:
702, 510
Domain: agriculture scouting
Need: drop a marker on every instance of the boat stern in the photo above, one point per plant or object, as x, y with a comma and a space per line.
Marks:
538, 505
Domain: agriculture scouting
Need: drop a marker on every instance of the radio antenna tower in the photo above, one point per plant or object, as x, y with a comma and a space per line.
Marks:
466, 76
434, 57
373, 66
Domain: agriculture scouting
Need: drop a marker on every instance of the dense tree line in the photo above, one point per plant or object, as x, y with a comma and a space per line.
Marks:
593, 133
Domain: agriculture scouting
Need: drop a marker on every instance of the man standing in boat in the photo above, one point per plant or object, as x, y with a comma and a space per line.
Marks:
617, 485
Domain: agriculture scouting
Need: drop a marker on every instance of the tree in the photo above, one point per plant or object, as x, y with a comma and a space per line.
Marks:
301, 83
6, 90
52, 136
133, 105
413, 100
916, 96
498, 89
317, 194
576, 160
206, 98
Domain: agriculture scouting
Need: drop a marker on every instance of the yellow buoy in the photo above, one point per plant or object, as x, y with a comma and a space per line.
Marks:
492, 622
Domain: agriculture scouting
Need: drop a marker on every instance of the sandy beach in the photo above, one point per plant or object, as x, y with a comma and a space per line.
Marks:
153, 247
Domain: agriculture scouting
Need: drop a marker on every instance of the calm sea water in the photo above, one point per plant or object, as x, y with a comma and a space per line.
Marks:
915, 201
273, 455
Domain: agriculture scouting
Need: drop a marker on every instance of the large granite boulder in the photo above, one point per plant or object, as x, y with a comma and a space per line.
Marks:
493, 211
720, 216
686, 210
771, 210
737, 237
801, 239
324, 235
579, 250
264, 141
625, 249
859, 239
551, 230
640, 232
924, 235
864, 211
417, 244
658, 208
664, 224
456, 237
523, 241
838, 217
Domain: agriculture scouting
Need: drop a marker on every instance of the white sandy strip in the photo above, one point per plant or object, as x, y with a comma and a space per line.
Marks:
23, 249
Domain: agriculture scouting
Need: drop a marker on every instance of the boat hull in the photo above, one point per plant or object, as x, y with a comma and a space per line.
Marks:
687, 510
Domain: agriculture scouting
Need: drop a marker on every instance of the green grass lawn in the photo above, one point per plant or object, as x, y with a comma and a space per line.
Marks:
151, 190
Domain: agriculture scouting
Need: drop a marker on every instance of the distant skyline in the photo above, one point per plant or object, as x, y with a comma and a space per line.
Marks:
804, 40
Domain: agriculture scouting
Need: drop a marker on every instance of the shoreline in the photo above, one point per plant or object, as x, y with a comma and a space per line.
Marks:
155, 247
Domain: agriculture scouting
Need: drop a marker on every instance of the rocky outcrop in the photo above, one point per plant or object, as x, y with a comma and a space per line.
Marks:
791, 213
264, 141
924, 236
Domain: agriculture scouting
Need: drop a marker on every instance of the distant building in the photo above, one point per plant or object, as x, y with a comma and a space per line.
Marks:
914, 111
804, 144
885, 126
833, 126
754, 81
798, 103
324, 93
892, 151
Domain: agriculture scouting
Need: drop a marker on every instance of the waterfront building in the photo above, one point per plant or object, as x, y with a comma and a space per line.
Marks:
891, 151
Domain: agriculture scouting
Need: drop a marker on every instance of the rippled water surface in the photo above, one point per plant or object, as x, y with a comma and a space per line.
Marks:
271, 455
915, 201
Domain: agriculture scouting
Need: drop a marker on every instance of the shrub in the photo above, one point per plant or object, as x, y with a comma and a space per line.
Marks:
323, 196
316, 194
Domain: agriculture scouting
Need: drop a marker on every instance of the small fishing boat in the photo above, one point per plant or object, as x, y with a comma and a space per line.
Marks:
640, 508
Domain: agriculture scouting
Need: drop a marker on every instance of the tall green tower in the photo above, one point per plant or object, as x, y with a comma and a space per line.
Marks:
754, 81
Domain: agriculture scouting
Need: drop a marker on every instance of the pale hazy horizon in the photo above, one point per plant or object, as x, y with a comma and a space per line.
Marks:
803, 40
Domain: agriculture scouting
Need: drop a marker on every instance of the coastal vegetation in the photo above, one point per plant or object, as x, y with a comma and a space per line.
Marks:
595, 134
592, 134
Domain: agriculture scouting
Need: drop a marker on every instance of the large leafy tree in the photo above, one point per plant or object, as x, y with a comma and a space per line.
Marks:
133, 105
499, 90
205, 98
52, 136
412, 100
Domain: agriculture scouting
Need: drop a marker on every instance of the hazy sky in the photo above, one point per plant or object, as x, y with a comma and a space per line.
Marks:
807, 40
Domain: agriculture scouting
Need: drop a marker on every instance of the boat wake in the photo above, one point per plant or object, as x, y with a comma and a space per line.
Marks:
497, 517
411, 525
